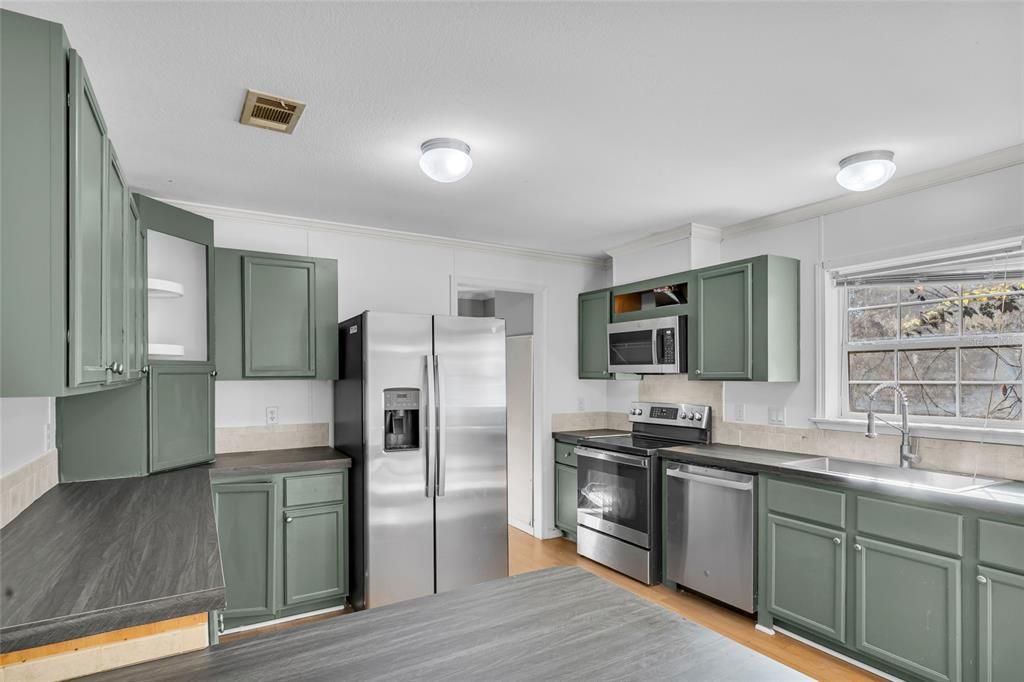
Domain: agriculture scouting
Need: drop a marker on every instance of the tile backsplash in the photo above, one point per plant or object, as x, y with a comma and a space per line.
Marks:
983, 459
271, 437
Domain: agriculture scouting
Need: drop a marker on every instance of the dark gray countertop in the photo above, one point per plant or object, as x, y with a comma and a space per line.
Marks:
1003, 498
103, 555
279, 461
576, 436
559, 623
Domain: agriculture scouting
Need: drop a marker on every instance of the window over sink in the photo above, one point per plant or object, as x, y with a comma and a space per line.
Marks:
948, 329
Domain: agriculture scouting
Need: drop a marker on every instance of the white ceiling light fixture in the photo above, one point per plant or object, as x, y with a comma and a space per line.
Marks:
445, 159
866, 170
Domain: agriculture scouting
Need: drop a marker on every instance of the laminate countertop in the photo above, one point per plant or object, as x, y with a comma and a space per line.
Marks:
1004, 497
558, 623
97, 556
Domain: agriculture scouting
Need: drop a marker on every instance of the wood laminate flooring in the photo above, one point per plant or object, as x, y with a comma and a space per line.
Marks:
527, 553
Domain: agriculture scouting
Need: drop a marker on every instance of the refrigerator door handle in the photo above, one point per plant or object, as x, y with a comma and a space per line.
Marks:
442, 425
431, 444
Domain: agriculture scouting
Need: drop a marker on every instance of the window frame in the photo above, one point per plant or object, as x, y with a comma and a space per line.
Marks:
833, 410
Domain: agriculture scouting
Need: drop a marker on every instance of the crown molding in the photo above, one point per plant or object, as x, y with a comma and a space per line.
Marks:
978, 165
295, 222
665, 237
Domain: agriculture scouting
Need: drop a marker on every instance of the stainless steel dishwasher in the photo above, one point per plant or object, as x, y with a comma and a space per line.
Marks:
710, 530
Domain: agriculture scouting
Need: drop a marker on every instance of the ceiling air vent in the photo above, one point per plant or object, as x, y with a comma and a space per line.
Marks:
270, 112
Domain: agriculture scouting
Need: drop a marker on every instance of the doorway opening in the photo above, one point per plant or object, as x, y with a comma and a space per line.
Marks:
517, 308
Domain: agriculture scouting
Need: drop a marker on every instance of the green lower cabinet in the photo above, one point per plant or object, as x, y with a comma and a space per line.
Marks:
315, 560
806, 575
595, 310
1000, 620
181, 421
565, 499
908, 608
245, 528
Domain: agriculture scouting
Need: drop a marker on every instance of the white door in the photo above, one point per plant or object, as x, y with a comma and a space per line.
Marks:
519, 386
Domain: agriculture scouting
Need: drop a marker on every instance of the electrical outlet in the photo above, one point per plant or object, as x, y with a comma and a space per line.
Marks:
581, 404
739, 412
777, 415
271, 415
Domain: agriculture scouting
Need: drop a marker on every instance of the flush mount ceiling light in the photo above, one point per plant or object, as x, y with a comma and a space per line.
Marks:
865, 171
445, 159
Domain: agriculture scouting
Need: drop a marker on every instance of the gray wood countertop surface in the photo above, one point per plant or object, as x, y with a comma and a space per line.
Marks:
554, 624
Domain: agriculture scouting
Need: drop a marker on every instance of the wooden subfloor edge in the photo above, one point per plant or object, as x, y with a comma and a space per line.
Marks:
99, 639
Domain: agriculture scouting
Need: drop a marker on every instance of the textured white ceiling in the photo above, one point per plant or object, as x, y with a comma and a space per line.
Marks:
591, 124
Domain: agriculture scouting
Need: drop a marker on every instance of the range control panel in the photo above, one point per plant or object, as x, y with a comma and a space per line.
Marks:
671, 414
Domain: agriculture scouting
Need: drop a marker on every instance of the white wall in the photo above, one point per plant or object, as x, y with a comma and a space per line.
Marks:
962, 211
663, 259
23, 428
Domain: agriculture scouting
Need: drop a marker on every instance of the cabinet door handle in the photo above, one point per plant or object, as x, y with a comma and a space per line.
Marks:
837, 541
858, 548
213, 373
145, 369
288, 519
982, 579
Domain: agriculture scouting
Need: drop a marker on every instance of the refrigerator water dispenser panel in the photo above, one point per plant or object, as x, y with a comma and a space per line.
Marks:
401, 419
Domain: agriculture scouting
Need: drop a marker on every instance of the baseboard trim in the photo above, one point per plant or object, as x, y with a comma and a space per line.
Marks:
525, 527
836, 654
765, 630
286, 619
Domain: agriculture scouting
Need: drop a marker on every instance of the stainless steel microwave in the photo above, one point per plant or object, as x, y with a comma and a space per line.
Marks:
655, 346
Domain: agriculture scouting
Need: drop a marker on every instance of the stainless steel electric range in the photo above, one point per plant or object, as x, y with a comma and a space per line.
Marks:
618, 493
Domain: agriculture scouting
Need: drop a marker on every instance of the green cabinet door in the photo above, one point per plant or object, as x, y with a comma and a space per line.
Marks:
806, 575
115, 295
315, 561
565, 498
180, 414
1001, 625
87, 172
908, 609
725, 329
279, 317
594, 314
136, 292
245, 529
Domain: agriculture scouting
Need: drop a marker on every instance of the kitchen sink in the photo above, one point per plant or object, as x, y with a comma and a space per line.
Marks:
907, 478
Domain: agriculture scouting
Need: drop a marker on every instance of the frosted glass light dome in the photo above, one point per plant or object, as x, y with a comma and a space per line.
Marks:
866, 170
445, 159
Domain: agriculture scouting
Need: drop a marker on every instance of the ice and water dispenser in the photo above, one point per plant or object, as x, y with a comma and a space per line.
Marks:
401, 418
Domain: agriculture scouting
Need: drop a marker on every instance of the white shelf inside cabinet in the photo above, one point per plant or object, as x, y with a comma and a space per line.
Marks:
166, 350
164, 288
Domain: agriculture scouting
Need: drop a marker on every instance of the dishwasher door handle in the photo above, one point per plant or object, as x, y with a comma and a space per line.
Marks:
710, 480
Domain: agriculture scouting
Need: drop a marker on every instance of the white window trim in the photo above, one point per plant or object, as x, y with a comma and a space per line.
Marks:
831, 400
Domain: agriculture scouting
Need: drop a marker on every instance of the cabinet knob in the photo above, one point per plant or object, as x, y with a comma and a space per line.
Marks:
837, 541
858, 548
698, 371
145, 369
288, 519
213, 373
982, 579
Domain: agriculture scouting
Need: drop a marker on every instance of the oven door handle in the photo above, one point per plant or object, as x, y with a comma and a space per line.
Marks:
710, 480
629, 460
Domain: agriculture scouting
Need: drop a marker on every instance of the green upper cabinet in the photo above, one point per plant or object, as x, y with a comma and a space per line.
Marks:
88, 225
908, 609
65, 275
135, 259
594, 315
181, 409
1000, 614
745, 322
277, 316
657, 297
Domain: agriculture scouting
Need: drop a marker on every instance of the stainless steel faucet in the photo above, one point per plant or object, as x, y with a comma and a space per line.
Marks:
907, 456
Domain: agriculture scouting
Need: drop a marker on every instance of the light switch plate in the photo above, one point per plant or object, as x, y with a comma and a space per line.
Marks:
777, 415
271, 415
739, 412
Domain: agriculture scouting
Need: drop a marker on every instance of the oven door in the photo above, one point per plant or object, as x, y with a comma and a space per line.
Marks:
614, 493
644, 346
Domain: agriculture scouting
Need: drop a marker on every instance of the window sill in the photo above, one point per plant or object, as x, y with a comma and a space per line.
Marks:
971, 434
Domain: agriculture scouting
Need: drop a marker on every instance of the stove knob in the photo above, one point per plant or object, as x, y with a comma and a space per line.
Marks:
636, 412
690, 416
698, 416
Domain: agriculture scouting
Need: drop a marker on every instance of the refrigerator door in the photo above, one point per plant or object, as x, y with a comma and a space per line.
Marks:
471, 526
399, 498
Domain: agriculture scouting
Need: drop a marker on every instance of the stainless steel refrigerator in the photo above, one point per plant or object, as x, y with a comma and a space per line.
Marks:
420, 409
